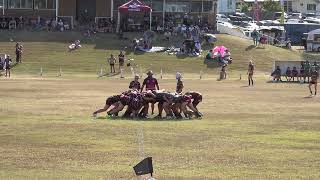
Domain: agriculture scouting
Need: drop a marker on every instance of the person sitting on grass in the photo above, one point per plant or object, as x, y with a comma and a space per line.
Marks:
294, 73
314, 81
288, 74
277, 74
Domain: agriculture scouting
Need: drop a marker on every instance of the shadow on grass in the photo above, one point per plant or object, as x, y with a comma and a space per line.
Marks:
109, 75
211, 63
249, 48
144, 119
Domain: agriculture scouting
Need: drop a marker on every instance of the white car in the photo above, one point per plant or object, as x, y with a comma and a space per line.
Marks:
295, 16
223, 18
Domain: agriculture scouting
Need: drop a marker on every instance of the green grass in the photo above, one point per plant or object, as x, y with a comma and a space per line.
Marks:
270, 131
49, 51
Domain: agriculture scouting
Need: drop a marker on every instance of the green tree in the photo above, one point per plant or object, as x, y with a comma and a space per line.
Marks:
271, 6
244, 7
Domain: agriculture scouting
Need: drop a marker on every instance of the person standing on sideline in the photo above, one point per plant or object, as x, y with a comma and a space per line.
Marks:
250, 73
150, 83
135, 84
255, 37
121, 63
112, 61
314, 81
17, 52
7, 65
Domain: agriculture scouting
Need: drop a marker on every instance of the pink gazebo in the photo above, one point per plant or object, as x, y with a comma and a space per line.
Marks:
133, 6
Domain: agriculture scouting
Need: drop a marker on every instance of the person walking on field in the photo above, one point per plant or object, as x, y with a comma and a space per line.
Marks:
314, 81
250, 73
112, 61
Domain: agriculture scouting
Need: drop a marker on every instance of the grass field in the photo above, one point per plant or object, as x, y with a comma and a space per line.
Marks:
271, 131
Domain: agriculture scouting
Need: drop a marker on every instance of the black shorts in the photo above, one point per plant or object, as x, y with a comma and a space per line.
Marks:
121, 63
313, 82
8, 67
111, 64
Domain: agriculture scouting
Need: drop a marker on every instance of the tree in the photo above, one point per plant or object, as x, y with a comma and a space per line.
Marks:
244, 7
271, 6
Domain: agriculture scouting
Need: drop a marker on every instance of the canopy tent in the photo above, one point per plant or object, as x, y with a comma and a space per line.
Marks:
133, 6
311, 34
219, 50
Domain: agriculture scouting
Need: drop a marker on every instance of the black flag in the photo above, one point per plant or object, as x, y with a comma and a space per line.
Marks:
144, 167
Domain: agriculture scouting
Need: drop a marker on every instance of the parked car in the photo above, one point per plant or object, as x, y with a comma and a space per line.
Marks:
223, 18
277, 15
295, 16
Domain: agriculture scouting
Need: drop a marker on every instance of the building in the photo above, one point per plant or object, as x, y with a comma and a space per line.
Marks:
302, 6
80, 10
227, 6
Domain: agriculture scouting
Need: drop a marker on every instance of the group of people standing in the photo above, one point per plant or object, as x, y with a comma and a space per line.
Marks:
137, 100
112, 61
6, 61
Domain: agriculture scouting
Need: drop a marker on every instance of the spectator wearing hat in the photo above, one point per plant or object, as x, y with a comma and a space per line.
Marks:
150, 83
135, 84
7, 65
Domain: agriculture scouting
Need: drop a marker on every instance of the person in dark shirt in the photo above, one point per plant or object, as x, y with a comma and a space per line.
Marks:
314, 81
7, 66
288, 74
294, 73
150, 83
277, 74
135, 84
121, 60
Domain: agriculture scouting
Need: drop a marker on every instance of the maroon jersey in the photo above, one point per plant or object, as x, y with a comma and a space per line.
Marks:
125, 100
113, 99
196, 96
150, 83
135, 85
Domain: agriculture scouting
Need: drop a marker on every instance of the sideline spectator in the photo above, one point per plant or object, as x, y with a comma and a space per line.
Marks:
255, 37
112, 61
294, 73
250, 72
18, 52
121, 60
135, 84
7, 65
223, 72
277, 74
288, 74
314, 81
